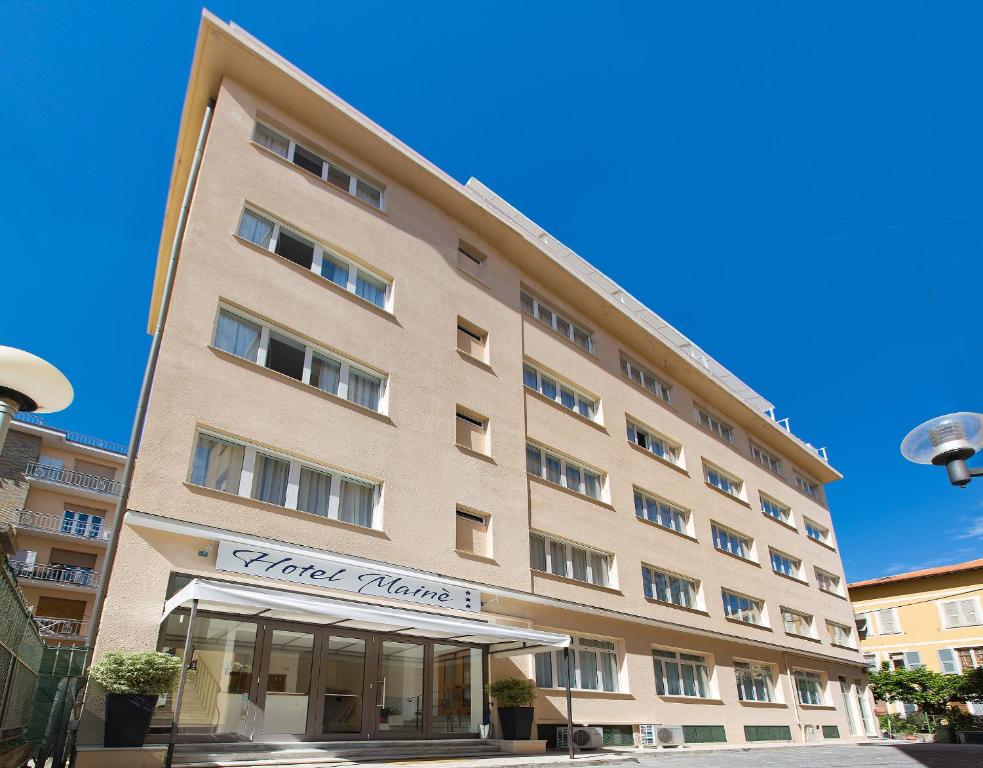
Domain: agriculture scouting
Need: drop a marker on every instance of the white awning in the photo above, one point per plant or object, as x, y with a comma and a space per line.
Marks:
224, 597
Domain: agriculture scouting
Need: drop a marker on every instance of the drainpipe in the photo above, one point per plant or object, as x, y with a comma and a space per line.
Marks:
136, 434
567, 661
795, 697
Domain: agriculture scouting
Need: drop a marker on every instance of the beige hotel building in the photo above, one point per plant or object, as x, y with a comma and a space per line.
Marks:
401, 441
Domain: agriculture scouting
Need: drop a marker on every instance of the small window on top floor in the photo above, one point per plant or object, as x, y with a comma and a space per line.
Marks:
295, 249
273, 141
286, 356
471, 340
807, 486
471, 261
368, 194
370, 288
766, 459
308, 160
257, 229
472, 430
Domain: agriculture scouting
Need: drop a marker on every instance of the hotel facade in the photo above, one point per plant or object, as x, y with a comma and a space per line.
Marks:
401, 441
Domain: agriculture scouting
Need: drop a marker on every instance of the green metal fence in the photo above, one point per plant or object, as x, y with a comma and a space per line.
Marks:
21, 649
60, 680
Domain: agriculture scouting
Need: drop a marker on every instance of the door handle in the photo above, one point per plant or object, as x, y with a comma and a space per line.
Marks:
380, 699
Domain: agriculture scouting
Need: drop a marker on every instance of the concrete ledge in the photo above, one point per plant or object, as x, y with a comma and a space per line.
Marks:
150, 756
521, 747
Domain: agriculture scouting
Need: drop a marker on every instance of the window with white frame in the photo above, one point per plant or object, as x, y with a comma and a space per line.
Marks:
766, 459
565, 472
798, 623
864, 628
808, 687
969, 658
817, 532
828, 582
807, 486
887, 621
723, 481
312, 162
775, 509
654, 442
644, 378
595, 666
755, 681
712, 424
559, 391
269, 233
573, 561
275, 349
678, 673
744, 608
786, 564
662, 512
840, 634
960, 613
557, 322
672, 588
729, 540
870, 662
242, 469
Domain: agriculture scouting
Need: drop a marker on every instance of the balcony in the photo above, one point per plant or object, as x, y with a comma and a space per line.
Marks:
72, 479
90, 530
54, 628
63, 575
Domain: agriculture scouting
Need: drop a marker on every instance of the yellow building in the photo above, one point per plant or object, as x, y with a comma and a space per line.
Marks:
931, 618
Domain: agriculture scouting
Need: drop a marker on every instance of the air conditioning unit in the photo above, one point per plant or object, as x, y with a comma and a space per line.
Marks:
584, 737
106, 535
658, 735
813, 733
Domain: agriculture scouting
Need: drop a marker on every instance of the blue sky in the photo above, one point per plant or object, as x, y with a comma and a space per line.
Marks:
796, 186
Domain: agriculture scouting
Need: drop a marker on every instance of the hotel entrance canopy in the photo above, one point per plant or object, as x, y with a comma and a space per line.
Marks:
224, 597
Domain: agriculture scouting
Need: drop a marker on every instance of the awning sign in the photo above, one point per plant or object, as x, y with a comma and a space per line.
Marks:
273, 563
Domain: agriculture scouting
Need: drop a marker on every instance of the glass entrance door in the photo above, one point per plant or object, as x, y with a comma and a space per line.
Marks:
286, 682
343, 687
399, 689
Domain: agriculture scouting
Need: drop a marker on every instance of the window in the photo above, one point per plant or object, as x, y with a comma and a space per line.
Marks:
797, 623
573, 561
716, 426
654, 443
766, 459
276, 237
562, 471
313, 163
471, 261
680, 674
82, 521
471, 340
556, 322
786, 565
776, 509
863, 626
816, 532
723, 481
960, 613
285, 354
906, 660
560, 392
672, 588
840, 634
828, 582
730, 541
808, 687
241, 469
970, 658
472, 431
807, 486
661, 512
643, 378
595, 666
887, 621
472, 532
755, 681
870, 662
742, 607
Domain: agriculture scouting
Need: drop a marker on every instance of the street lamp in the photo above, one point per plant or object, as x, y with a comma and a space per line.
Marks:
29, 384
947, 441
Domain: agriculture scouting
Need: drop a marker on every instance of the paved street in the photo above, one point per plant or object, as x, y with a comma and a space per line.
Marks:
868, 756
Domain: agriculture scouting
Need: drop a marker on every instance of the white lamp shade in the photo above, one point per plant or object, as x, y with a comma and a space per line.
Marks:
22, 373
942, 435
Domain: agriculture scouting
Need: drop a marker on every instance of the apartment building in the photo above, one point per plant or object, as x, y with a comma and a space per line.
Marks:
401, 441
930, 618
58, 490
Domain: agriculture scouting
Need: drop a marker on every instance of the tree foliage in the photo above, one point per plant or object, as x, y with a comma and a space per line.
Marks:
931, 692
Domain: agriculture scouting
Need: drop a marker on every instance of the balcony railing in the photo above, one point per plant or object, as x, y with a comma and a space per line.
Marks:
75, 437
89, 530
68, 575
54, 627
70, 477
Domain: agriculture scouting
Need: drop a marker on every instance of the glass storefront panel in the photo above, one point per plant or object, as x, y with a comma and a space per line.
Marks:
457, 697
400, 692
216, 694
344, 676
288, 682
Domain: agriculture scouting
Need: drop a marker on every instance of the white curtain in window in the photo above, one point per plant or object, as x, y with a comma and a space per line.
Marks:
270, 479
357, 502
325, 374
537, 552
271, 140
364, 389
217, 464
579, 564
255, 229
558, 558
599, 569
237, 336
315, 492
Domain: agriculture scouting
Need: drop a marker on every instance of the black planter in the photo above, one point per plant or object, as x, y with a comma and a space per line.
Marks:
516, 723
128, 718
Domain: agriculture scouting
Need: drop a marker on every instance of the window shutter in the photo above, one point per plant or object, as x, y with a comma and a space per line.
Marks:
888, 621
947, 660
952, 617
969, 613
912, 660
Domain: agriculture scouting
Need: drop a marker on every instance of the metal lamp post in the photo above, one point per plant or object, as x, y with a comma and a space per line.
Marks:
29, 384
947, 441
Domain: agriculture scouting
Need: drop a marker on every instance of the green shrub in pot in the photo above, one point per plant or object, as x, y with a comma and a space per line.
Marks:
514, 697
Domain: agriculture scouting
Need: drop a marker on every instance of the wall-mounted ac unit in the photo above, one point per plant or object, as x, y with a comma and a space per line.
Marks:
658, 735
813, 733
584, 737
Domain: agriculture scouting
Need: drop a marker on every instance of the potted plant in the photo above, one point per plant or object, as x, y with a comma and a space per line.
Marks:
133, 683
514, 696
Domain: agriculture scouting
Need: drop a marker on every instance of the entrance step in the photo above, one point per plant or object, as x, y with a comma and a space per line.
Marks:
317, 753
